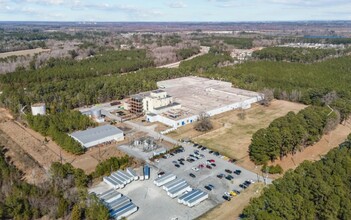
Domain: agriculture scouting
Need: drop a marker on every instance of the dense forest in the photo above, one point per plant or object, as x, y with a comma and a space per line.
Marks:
57, 126
205, 62
237, 42
315, 190
290, 133
63, 196
301, 55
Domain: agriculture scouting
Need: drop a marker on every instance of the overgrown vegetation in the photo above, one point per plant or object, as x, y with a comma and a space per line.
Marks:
277, 169
288, 134
66, 190
205, 62
58, 125
319, 190
185, 53
110, 165
301, 55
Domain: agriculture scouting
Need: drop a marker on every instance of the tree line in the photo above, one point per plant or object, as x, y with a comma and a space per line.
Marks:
58, 125
290, 133
315, 190
64, 195
301, 55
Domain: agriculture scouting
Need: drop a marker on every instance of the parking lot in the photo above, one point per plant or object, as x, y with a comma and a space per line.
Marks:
153, 201
205, 176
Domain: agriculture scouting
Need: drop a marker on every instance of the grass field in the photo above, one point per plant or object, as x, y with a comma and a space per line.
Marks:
23, 52
231, 134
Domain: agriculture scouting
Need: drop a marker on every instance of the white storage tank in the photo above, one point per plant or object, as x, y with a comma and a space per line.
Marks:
38, 109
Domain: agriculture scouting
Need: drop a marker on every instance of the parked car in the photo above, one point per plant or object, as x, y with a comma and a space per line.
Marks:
177, 165
175, 162
212, 161
228, 171
237, 172
236, 191
160, 174
181, 163
211, 186
192, 175
226, 197
213, 164
201, 166
229, 177
208, 166
201, 156
232, 193
208, 188
210, 152
227, 194
247, 182
220, 176
242, 186
195, 169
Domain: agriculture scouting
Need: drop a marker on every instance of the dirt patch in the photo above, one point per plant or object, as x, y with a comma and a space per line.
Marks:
233, 209
316, 151
43, 152
311, 153
30, 52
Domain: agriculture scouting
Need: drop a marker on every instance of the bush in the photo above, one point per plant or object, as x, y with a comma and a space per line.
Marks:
277, 169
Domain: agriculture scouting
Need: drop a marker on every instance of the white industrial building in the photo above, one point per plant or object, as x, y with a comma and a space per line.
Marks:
99, 135
181, 101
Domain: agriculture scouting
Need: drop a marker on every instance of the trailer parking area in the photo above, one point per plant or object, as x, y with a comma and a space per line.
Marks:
154, 203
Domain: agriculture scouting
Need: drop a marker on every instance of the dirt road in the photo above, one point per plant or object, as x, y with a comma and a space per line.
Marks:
203, 51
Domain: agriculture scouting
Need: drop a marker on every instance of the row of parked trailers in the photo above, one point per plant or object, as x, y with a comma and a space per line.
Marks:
121, 178
179, 187
119, 206
193, 197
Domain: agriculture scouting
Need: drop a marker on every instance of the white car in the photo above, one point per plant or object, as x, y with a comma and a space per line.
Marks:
195, 169
228, 194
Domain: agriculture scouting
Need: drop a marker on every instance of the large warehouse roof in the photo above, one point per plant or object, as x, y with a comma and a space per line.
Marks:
94, 134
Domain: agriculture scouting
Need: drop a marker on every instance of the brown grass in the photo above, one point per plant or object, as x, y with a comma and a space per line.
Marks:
232, 135
30, 52
45, 153
232, 209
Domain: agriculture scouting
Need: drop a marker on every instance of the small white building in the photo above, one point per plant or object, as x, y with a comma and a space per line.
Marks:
38, 109
99, 135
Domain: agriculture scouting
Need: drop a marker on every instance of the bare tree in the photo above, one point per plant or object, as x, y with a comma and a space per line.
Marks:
268, 96
332, 122
330, 97
204, 123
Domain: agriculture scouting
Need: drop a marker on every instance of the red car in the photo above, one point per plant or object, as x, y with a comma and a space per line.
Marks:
212, 161
201, 166
208, 166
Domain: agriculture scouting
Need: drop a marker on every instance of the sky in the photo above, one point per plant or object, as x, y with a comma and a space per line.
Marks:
174, 10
